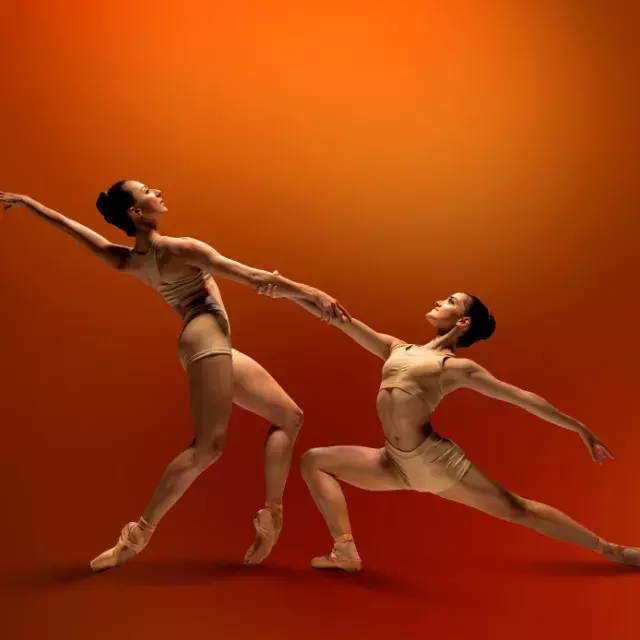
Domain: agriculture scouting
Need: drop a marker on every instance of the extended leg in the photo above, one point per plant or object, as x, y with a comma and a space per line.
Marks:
477, 490
210, 381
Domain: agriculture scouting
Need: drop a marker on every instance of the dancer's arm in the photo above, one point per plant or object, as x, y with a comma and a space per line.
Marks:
380, 344
205, 257
113, 254
473, 376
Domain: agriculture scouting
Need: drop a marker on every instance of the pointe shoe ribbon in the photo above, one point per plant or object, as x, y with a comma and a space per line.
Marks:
337, 560
130, 543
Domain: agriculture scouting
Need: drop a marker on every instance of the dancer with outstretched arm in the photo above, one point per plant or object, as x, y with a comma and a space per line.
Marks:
182, 271
415, 378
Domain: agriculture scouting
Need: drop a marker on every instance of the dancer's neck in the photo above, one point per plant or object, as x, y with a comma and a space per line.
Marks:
144, 239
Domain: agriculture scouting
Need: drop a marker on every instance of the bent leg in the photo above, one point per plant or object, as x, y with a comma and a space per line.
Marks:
479, 491
361, 467
255, 390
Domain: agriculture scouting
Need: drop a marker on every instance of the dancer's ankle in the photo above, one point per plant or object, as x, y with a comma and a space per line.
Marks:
342, 538
275, 509
146, 528
602, 546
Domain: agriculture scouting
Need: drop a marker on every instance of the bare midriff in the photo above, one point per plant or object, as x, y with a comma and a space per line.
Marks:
405, 418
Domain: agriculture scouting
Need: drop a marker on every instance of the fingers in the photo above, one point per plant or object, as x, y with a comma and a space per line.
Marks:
601, 453
270, 290
344, 314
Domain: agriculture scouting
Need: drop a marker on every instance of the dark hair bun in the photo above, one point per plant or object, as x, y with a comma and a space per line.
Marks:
489, 326
102, 203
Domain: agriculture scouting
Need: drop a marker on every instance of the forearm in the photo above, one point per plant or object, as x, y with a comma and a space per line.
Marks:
312, 308
545, 410
378, 344
256, 278
113, 255
48, 215
61, 222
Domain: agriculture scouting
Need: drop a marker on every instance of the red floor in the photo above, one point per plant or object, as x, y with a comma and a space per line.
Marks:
200, 596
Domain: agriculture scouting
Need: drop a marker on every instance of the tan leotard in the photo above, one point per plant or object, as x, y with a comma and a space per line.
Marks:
438, 463
416, 370
189, 297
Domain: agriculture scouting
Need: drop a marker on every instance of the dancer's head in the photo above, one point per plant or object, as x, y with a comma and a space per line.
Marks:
467, 314
131, 205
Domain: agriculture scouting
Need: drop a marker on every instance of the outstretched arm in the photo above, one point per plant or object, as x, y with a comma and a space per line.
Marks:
475, 377
380, 344
205, 257
113, 254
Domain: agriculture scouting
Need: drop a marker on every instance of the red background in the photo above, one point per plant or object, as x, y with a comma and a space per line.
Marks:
389, 153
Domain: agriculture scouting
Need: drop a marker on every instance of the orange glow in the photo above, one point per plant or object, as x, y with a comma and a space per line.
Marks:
388, 153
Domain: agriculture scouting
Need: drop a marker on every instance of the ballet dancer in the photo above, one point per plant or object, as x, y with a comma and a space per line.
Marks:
181, 270
415, 378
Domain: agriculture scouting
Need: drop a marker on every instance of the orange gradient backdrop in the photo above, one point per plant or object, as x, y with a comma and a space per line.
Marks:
389, 153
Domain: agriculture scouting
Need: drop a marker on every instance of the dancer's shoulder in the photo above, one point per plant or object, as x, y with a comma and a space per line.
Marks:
463, 366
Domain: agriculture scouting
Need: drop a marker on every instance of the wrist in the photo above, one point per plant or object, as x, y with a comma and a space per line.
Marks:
581, 429
309, 293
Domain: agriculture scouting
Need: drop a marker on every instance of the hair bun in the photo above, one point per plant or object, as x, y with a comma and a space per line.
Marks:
490, 327
102, 203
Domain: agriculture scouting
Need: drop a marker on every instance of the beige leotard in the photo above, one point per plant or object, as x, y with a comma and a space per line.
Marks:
438, 463
416, 370
189, 297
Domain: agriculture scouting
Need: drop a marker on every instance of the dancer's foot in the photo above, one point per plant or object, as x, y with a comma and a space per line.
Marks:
344, 555
268, 525
629, 556
133, 539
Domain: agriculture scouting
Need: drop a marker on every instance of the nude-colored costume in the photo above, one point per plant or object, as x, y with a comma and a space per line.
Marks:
438, 463
190, 297
206, 332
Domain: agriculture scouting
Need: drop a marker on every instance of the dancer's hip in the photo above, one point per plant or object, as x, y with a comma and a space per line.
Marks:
434, 466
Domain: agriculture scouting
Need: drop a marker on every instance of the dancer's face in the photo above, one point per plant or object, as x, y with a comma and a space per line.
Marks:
148, 205
448, 312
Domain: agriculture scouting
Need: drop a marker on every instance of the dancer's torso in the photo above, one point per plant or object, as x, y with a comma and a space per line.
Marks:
412, 387
186, 289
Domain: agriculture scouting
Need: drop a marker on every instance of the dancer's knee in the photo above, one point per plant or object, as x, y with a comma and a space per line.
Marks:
311, 460
205, 454
515, 509
292, 421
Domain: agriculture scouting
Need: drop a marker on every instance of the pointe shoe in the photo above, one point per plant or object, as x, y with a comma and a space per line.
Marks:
344, 555
131, 542
268, 525
629, 556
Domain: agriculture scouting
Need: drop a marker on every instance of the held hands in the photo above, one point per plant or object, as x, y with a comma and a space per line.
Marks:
598, 450
11, 200
329, 307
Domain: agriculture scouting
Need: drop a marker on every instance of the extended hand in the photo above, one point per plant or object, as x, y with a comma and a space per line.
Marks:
270, 290
329, 307
11, 200
598, 450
